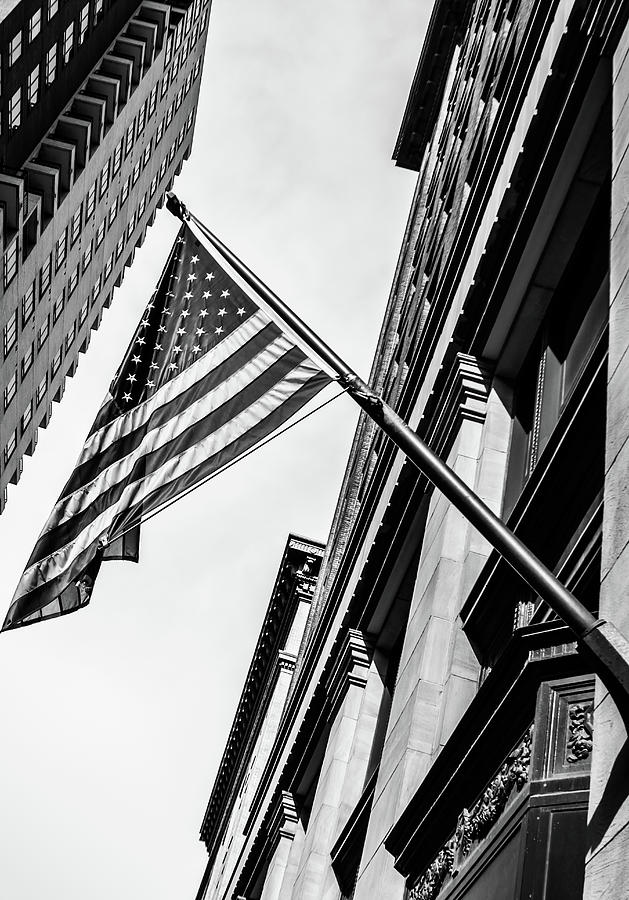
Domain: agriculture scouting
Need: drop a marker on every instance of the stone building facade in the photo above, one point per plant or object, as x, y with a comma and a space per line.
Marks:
97, 114
443, 736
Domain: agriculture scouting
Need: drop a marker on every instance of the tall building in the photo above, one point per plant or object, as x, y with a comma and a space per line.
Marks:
444, 737
97, 113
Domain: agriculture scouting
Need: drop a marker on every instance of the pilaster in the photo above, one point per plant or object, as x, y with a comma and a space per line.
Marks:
438, 670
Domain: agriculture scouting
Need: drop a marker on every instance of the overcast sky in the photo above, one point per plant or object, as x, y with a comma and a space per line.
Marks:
113, 719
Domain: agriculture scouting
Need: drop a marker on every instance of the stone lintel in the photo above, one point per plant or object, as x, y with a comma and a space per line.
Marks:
465, 397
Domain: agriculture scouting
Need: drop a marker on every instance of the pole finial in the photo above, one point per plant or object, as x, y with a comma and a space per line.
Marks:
176, 207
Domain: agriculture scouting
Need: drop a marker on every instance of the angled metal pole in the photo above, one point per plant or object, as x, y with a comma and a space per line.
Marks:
607, 646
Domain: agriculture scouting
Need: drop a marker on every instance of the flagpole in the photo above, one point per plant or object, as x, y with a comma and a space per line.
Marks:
605, 643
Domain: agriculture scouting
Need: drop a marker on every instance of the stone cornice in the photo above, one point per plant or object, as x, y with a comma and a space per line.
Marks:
464, 396
446, 23
295, 582
351, 666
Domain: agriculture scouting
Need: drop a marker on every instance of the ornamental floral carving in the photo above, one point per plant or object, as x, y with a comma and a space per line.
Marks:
474, 824
580, 732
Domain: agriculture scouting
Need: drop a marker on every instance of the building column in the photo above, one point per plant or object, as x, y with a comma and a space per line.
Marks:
344, 766
607, 860
438, 671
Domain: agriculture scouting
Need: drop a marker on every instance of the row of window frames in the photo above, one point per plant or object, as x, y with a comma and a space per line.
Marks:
113, 166
40, 392
61, 247
50, 63
175, 39
28, 301
50, 67
34, 27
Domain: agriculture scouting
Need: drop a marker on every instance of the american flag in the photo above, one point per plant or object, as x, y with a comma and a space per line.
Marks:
207, 376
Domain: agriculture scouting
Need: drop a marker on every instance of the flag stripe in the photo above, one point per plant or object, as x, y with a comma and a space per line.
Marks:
135, 417
249, 439
128, 442
59, 560
102, 495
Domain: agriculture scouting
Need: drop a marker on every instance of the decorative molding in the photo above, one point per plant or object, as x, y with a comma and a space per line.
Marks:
464, 396
296, 580
286, 661
473, 825
580, 732
351, 666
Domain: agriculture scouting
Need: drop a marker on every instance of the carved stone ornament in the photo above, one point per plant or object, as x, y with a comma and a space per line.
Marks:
580, 732
474, 824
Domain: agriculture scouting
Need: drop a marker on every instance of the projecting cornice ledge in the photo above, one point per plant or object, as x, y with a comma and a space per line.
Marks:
351, 666
464, 396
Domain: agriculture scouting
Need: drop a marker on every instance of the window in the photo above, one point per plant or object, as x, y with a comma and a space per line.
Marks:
117, 159
178, 98
15, 48
188, 82
124, 193
75, 227
44, 277
53, 6
27, 416
87, 256
169, 50
73, 280
10, 334
136, 173
56, 363
51, 64
15, 109
152, 101
100, 234
61, 251
113, 209
108, 266
160, 131
9, 450
120, 247
131, 227
104, 180
11, 389
57, 306
146, 155
98, 11
142, 118
32, 86
169, 115
83, 22
43, 332
96, 290
164, 90
171, 152
563, 345
90, 202
34, 25
153, 185
83, 312
27, 360
162, 168
68, 43
40, 393
128, 139
10, 264
70, 336
142, 206
28, 305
